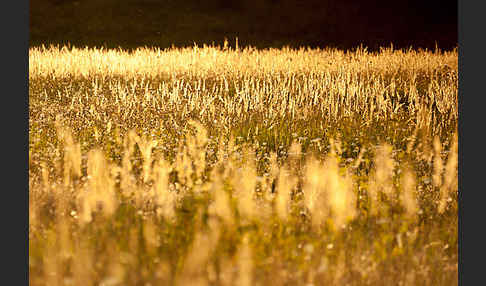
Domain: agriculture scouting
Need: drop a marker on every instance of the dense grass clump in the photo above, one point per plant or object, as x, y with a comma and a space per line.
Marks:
223, 166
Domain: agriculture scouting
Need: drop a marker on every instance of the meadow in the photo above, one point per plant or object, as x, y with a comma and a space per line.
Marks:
220, 165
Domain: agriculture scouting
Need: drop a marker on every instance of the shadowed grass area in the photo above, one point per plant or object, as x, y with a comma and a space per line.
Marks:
163, 23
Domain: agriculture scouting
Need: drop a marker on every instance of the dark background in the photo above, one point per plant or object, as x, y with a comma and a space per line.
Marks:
260, 23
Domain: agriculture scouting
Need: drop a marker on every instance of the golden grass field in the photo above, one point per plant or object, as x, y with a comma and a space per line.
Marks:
223, 166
